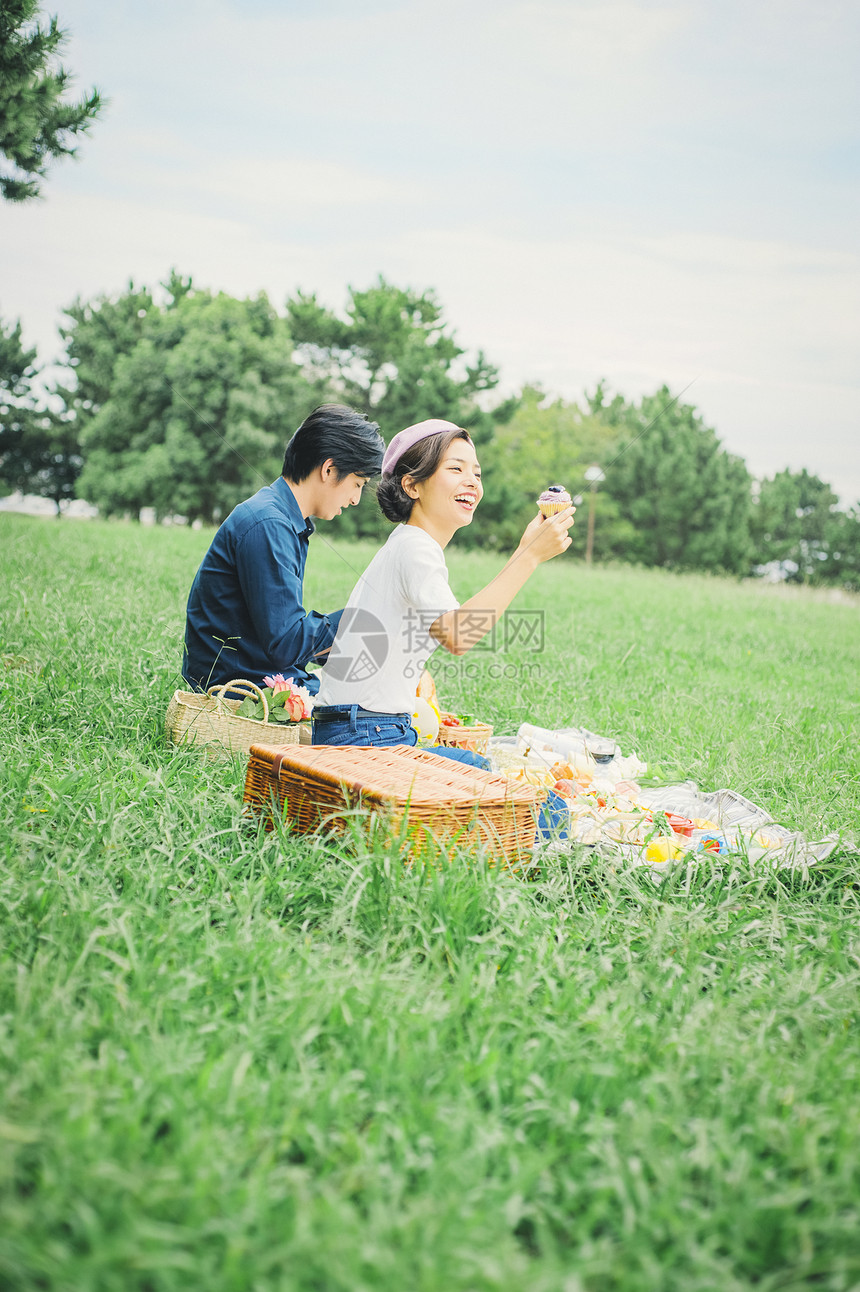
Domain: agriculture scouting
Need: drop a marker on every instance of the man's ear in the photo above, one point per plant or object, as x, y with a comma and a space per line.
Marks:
409, 487
328, 471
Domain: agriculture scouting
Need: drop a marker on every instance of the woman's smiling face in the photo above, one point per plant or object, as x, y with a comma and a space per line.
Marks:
447, 500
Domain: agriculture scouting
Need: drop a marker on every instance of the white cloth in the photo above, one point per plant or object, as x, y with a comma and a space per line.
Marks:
383, 641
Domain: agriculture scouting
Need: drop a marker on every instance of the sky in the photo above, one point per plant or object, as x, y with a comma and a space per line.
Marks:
639, 192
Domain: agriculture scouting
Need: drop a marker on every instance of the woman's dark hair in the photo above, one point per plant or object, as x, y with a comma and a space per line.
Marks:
419, 462
334, 431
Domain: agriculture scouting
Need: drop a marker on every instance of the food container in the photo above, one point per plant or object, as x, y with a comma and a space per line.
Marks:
680, 824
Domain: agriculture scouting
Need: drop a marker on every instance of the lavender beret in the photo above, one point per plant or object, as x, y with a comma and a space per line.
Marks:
404, 440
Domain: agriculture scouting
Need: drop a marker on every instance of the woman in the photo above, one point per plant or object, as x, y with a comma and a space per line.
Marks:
402, 607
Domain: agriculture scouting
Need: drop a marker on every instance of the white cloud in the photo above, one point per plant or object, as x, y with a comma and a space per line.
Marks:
286, 183
644, 191
768, 331
768, 334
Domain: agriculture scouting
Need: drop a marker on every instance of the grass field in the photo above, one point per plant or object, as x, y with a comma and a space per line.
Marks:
237, 1062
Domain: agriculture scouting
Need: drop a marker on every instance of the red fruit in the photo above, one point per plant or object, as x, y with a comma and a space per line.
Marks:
566, 788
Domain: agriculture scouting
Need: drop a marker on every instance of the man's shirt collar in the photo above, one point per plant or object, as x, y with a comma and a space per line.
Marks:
303, 525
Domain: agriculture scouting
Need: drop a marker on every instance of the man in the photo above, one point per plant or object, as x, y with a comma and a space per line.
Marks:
245, 616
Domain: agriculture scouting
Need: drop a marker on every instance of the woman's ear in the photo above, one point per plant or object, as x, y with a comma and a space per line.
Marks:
409, 487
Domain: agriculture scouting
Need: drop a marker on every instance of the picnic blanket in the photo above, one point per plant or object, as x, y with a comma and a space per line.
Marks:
610, 810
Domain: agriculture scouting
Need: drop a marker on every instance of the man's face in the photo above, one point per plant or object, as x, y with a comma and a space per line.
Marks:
337, 494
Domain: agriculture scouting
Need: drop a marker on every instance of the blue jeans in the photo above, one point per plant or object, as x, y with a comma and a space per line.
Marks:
349, 724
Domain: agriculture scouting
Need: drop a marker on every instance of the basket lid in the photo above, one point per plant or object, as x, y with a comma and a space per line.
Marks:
396, 772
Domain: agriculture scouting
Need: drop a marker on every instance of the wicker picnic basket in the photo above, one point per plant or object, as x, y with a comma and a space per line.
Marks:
476, 736
446, 800
209, 718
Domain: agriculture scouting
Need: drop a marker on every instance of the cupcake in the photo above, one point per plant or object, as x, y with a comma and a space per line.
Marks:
553, 499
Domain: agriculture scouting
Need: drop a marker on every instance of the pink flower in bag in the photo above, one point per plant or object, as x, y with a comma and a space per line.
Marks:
299, 702
278, 683
307, 700
295, 707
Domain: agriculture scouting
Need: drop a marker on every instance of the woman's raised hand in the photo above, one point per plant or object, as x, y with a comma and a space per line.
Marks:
544, 538
547, 536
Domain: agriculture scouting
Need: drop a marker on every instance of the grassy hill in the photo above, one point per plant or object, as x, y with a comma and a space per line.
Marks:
233, 1062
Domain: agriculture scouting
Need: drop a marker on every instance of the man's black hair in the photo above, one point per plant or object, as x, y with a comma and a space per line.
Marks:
334, 431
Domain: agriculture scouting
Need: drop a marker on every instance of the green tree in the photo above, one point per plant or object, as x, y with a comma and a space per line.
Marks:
40, 454
198, 409
794, 524
38, 450
37, 123
17, 369
392, 356
97, 335
841, 563
546, 442
687, 499
17, 365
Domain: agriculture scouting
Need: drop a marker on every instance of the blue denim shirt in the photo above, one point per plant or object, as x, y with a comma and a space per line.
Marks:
247, 594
